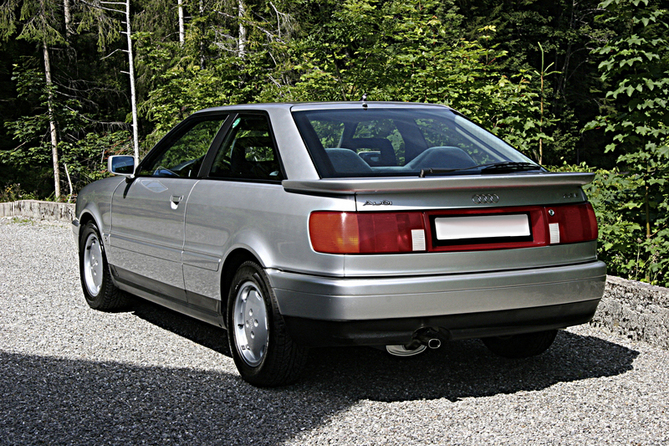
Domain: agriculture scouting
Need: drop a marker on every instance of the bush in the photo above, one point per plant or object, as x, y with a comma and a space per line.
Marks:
623, 241
13, 192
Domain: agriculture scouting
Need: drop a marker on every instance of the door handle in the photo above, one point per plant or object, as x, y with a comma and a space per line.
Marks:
175, 200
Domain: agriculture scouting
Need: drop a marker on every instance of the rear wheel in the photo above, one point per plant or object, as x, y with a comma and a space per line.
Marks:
99, 290
263, 352
521, 345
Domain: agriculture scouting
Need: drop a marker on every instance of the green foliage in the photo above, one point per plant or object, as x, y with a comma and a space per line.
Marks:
181, 88
208, 70
13, 192
635, 69
32, 88
84, 157
34, 21
623, 244
31, 131
562, 32
408, 51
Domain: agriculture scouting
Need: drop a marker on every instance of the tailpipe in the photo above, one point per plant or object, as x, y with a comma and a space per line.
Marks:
428, 337
422, 340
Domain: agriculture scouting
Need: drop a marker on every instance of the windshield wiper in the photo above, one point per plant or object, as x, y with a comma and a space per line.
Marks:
437, 171
510, 166
504, 166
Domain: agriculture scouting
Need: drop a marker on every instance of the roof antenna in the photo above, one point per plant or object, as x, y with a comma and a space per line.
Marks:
364, 98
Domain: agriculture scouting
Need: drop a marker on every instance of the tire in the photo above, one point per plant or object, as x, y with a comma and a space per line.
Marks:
262, 350
96, 282
522, 345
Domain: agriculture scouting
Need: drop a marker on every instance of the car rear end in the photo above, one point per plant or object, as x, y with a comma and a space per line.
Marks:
454, 235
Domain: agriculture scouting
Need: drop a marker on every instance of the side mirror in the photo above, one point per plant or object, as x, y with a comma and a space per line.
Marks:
121, 165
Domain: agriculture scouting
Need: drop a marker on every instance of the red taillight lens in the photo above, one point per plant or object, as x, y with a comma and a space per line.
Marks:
397, 232
576, 223
367, 233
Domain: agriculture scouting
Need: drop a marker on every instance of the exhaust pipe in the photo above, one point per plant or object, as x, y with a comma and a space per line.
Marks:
430, 338
422, 340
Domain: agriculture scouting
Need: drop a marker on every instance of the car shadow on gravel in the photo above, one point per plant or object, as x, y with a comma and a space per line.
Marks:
459, 369
48, 400
66, 401
463, 369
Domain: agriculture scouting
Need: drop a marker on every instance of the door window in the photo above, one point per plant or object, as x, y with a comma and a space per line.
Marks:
183, 157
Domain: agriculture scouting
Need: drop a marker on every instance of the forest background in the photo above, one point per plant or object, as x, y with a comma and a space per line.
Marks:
577, 85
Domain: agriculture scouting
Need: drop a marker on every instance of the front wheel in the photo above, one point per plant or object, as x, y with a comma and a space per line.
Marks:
521, 345
99, 290
263, 352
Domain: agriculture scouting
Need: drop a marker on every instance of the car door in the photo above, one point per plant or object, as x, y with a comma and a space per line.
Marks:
147, 227
242, 182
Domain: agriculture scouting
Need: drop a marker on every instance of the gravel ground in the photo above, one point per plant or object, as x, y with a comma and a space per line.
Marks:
72, 375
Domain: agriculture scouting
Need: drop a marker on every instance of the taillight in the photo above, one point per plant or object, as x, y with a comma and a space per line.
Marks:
572, 223
397, 232
367, 233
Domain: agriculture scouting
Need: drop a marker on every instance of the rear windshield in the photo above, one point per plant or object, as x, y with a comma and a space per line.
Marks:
400, 142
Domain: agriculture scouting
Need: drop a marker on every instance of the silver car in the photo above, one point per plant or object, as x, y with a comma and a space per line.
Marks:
332, 224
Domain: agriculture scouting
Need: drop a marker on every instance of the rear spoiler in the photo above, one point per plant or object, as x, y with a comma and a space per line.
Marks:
346, 186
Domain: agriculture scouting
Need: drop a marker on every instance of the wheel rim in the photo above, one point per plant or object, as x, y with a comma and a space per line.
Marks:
93, 265
250, 324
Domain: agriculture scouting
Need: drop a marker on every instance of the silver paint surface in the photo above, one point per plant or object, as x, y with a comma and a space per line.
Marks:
333, 299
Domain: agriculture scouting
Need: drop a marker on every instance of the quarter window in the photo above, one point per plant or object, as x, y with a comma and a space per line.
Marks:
248, 151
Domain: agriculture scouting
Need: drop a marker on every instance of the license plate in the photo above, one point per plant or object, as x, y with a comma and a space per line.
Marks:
482, 227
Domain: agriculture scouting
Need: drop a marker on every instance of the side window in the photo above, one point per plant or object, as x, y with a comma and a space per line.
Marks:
184, 156
248, 151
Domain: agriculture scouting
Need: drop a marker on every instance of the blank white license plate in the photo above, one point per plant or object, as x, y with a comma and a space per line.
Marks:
488, 226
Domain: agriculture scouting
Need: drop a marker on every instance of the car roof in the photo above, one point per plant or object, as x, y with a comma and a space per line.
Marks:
303, 106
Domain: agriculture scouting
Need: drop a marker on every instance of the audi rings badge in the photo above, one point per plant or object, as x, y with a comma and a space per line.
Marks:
485, 198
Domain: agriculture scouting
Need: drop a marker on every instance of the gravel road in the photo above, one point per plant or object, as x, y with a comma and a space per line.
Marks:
72, 375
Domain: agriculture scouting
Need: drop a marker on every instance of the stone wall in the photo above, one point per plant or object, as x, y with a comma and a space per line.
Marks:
38, 210
636, 310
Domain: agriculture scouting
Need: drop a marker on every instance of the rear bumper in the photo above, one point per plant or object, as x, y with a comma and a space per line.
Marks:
374, 311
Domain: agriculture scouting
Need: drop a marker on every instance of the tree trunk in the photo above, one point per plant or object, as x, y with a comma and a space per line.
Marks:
242, 29
646, 199
202, 60
131, 74
182, 33
67, 14
52, 123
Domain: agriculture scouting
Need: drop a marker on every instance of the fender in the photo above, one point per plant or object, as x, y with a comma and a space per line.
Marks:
95, 204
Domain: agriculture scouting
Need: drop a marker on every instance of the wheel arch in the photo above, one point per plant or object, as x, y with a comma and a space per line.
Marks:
90, 216
232, 262
85, 218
